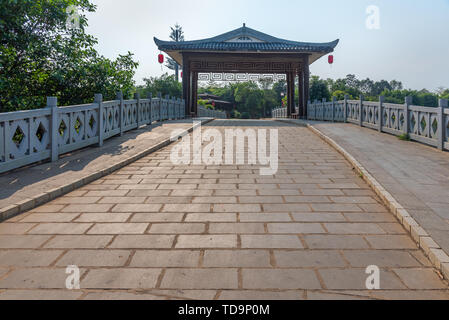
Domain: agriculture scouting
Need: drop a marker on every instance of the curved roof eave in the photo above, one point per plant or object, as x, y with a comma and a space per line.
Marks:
235, 46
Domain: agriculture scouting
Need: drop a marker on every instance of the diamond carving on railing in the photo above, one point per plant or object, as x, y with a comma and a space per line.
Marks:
78, 125
401, 120
110, 118
423, 124
434, 126
447, 128
62, 128
105, 123
40, 132
92, 122
18, 136
117, 117
413, 124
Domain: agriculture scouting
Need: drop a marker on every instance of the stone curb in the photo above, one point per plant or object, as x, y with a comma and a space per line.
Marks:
432, 250
49, 195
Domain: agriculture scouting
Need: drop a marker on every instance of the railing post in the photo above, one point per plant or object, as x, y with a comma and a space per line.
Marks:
408, 103
159, 96
122, 106
442, 104
150, 112
52, 103
99, 99
183, 109
334, 99
137, 97
361, 110
323, 112
345, 108
175, 108
167, 105
380, 113
159, 106
309, 112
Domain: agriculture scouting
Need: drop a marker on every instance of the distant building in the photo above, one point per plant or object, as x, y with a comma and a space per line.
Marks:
216, 101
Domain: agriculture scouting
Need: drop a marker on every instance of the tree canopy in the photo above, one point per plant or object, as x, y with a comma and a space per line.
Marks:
41, 55
165, 84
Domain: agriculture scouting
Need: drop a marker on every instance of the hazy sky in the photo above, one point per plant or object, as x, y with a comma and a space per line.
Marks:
412, 44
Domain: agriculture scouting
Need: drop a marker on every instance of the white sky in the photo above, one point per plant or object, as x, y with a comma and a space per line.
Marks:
412, 44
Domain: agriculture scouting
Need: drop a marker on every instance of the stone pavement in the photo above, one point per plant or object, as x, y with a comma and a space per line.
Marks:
44, 180
415, 174
154, 230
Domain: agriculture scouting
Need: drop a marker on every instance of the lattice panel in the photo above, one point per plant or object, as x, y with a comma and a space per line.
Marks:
240, 77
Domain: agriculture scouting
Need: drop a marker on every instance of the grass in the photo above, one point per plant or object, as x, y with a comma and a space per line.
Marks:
404, 137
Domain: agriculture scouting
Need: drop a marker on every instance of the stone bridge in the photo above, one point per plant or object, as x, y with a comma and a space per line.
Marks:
138, 226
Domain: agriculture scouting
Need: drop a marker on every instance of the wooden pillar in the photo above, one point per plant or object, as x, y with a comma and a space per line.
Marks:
292, 90
306, 86
194, 95
186, 84
301, 104
290, 94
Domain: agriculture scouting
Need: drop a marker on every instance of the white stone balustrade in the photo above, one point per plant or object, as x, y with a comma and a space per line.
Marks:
31, 136
427, 125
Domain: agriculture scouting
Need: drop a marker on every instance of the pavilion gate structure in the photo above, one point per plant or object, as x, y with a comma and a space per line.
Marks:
246, 50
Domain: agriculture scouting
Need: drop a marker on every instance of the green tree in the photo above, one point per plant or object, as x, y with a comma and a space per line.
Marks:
444, 94
42, 55
280, 88
318, 89
164, 84
177, 35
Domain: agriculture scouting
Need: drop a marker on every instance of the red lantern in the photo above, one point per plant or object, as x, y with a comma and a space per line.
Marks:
330, 59
161, 58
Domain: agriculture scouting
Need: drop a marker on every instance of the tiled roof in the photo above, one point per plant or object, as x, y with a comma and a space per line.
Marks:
263, 42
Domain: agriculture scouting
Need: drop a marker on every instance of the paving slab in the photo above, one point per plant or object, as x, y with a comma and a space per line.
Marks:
415, 174
156, 230
32, 185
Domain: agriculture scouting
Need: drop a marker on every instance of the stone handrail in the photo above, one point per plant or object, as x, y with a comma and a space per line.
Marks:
427, 125
203, 112
31, 136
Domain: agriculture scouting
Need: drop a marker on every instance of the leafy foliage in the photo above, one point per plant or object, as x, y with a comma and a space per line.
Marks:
318, 89
164, 84
251, 99
371, 90
40, 55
